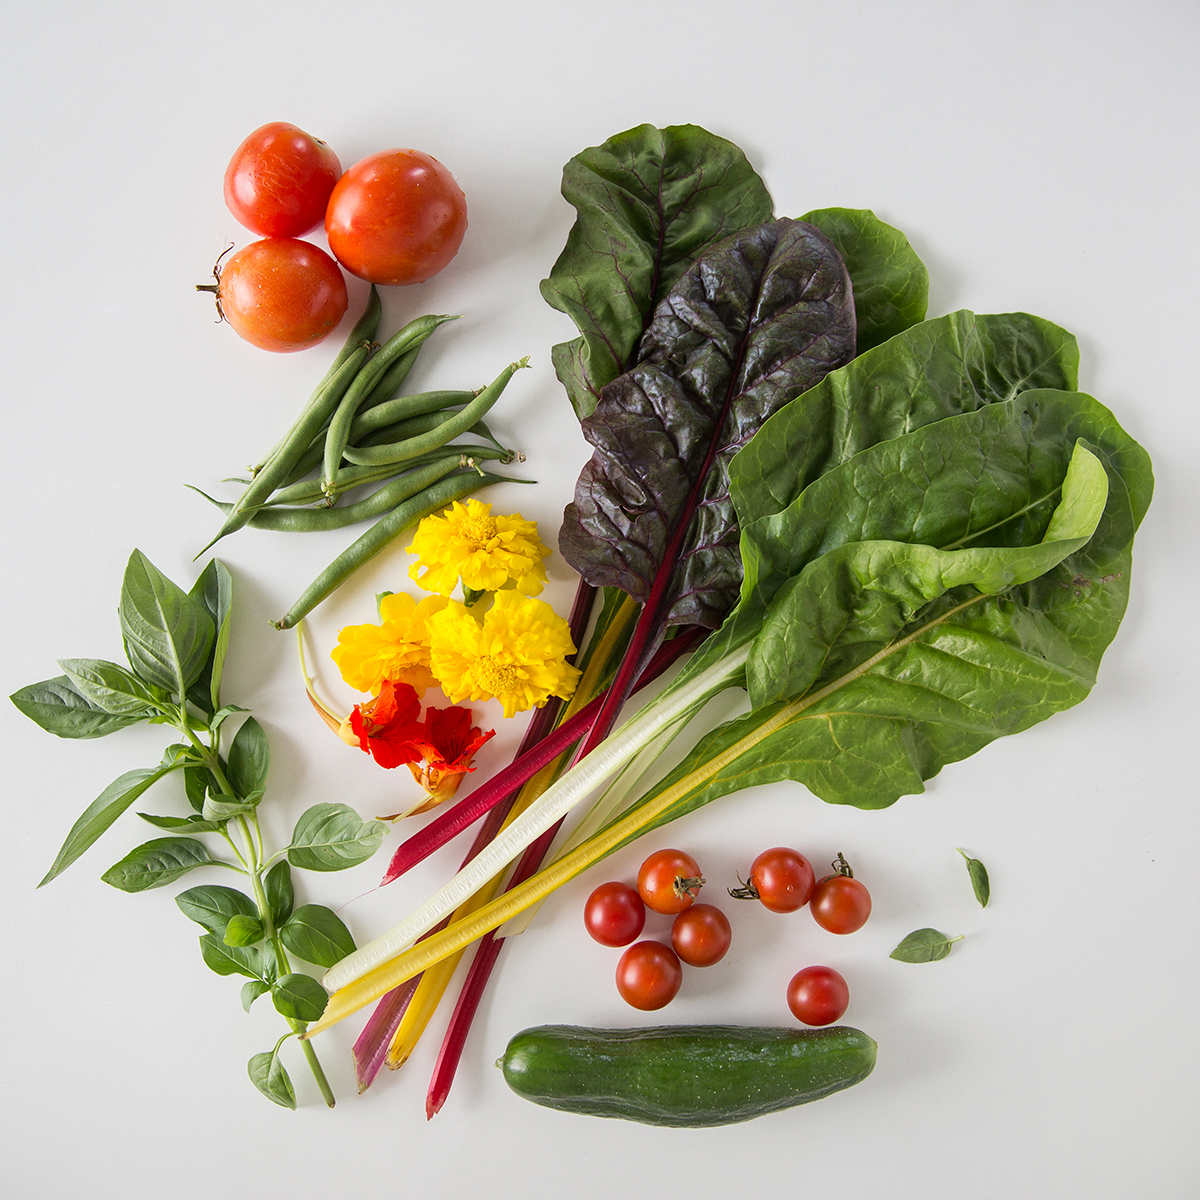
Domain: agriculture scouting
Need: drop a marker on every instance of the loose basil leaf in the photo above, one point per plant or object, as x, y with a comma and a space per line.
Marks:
156, 863
255, 962
243, 931
300, 997
167, 633
329, 837
110, 687
979, 878
251, 990
59, 708
648, 202
214, 591
214, 906
924, 945
317, 935
755, 321
278, 886
103, 811
249, 759
891, 284
267, 1074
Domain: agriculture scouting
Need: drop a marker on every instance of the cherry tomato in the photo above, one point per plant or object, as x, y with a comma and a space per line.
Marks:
614, 914
669, 880
840, 903
649, 975
817, 995
279, 179
781, 878
701, 935
396, 217
281, 294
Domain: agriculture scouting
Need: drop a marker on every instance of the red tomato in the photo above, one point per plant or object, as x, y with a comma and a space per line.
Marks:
781, 878
669, 880
396, 217
614, 914
281, 294
649, 975
817, 995
279, 179
701, 935
840, 903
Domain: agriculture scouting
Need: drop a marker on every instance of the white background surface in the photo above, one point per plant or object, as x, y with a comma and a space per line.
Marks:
1040, 156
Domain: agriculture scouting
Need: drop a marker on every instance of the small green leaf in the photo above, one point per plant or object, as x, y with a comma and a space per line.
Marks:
156, 863
214, 592
300, 997
195, 783
267, 1074
979, 878
217, 809
317, 935
190, 824
255, 962
249, 759
214, 906
243, 931
251, 990
110, 687
280, 896
57, 706
924, 945
329, 837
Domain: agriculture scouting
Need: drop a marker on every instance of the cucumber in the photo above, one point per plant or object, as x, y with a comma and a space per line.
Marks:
684, 1075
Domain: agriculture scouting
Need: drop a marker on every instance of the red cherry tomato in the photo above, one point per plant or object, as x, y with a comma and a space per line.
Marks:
396, 217
668, 881
701, 935
840, 903
817, 995
614, 914
281, 294
781, 878
649, 975
279, 179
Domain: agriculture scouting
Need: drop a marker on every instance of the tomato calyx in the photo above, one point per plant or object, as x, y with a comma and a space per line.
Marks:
215, 287
686, 887
841, 866
747, 890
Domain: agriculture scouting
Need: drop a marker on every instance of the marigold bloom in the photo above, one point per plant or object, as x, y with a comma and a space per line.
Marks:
516, 655
396, 649
487, 553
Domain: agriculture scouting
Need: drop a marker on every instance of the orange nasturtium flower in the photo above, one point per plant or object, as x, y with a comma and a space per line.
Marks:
487, 553
396, 649
516, 655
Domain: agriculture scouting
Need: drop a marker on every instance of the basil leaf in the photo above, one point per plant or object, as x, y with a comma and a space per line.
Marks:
267, 1074
214, 906
329, 837
217, 809
243, 931
251, 961
891, 284
249, 759
191, 824
755, 321
196, 781
299, 997
648, 202
317, 935
924, 945
167, 634
102, 812
251, 990
154, 864
59, 708
979, 878
214, 591
110, 687
278, 886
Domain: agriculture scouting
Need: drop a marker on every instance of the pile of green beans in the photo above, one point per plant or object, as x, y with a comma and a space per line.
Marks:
356, 430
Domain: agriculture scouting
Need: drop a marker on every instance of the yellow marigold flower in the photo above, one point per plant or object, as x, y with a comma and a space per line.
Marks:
396, 649
516, 655
466, 542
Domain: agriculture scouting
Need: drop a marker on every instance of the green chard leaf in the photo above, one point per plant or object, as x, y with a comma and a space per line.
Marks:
330, 837
168, 634
214, 906
111, 687
924, 945
648, 202
60, 708
979, 878
214, 592
268, 1075
249, 759
299, 997
317, 935
156, 863
278, 887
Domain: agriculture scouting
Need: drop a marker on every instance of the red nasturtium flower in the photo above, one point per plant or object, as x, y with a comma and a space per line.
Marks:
451, 743
389, 727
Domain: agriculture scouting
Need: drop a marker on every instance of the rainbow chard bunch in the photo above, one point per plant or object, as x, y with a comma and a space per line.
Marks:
176, 643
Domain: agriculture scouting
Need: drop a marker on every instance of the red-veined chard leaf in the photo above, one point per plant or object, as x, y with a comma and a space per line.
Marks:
755, 321
648, 202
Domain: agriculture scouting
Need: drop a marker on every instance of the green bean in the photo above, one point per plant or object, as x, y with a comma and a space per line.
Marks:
450, 428
278, 466
402, 407
387, 529
401, 431
362, 334
336, 436
392, 380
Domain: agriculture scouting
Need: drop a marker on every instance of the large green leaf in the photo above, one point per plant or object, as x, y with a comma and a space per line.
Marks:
60, 708
156, 863
214, 906
110, 687
249, 759
648, 202
267, 1073
329, 837
318, 935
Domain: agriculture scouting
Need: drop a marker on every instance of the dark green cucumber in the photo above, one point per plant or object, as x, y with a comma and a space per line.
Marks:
687, 1075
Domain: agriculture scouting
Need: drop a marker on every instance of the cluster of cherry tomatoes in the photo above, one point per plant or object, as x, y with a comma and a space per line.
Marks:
650, 973
396, 217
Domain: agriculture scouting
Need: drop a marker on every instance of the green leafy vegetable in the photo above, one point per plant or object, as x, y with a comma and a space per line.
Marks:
267, 1073
924, 945
156, 863
59, 708
329, 837
979, 878
214, 906
317, 935
110, 687
244, 931
300, 997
